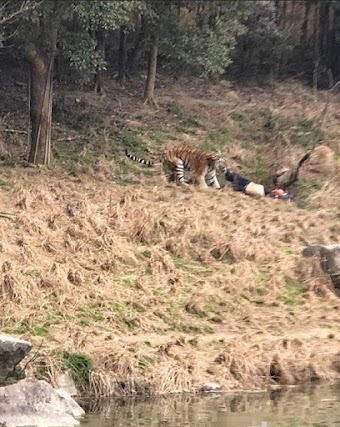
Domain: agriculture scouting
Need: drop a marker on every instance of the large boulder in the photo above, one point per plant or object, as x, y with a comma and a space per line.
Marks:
65, 382
35, 403
329, 259
12, 351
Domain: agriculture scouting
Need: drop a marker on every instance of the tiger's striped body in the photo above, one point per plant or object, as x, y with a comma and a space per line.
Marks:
202, 165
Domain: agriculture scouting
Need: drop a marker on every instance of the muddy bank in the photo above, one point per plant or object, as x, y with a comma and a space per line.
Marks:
308, 406
219, 362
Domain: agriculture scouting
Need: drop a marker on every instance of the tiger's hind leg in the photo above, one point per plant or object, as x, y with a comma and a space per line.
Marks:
178, 171
200, 180
172, 177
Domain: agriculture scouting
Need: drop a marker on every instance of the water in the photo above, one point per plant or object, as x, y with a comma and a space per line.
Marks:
318, 407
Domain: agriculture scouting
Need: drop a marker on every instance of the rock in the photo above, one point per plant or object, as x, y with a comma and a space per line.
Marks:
76, 410
12, 351
329, 260
31, 402
65, 382
211, 388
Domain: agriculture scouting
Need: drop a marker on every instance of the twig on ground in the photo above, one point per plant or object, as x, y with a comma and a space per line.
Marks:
22, 132
7, 216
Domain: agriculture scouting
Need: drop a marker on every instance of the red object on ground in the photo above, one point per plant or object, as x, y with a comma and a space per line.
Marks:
278, 192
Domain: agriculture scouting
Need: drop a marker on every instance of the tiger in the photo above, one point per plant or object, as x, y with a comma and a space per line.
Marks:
177, 159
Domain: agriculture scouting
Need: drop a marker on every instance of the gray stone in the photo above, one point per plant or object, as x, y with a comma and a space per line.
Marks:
66, 383
12, 351
329, 259
211, 388
31, 402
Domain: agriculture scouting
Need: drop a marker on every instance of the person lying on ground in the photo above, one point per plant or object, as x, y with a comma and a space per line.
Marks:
240, 183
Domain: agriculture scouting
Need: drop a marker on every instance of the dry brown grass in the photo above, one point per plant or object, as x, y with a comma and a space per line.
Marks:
164, 287
156, 263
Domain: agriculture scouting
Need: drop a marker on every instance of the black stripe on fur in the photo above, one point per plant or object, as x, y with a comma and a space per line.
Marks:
137, 159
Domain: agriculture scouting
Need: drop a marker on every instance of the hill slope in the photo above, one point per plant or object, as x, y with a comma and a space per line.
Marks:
165, 288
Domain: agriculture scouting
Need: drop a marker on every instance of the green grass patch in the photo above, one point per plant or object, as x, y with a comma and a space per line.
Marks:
40, 331
5, 185
217, 140
115, 307
36, 330
225, 257
34, 273
196, 311
184, 120
159, 137
303, 132
294, 293
175, 318
75, 160
180, 325
246, 296
268, 120
131, 322
237, 117
255, 167
129, 281
213, 305
78, 365
75, 115
216, 305
15, 330
148, 271
193, 270
263, 281
288, 252
124, 171
131, 140
308, 187
89, 313
127, 315
144, 364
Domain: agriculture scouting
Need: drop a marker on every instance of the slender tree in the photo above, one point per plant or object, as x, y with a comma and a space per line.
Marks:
98, 18
149, 91
38, 40
135, 53
36, 37
122, 54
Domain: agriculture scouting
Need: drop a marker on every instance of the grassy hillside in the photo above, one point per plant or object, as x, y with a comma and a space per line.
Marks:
136, 285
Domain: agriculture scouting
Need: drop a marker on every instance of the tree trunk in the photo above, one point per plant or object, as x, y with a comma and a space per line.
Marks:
122, 56
304, 35
324, 34
137, 49
284, 14
316, 58
41, 72
333, 42
98, 78
150, 82
178, 12
278, 12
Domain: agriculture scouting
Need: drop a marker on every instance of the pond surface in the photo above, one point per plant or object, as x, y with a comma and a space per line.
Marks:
313, 406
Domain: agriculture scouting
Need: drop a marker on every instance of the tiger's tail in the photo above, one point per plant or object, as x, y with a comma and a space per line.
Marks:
137, 159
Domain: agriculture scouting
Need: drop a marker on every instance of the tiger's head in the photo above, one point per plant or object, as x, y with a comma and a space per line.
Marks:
223, 168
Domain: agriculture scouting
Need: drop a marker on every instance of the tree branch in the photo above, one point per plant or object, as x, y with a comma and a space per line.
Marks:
293, 172
26, 6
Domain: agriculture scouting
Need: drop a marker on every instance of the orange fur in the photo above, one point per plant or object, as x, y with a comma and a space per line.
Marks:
202, 165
